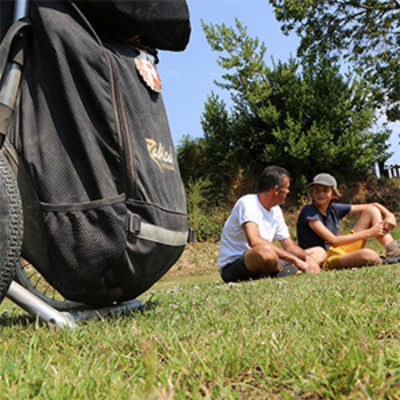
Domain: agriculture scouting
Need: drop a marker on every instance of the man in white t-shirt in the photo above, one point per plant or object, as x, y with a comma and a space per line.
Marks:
247, 250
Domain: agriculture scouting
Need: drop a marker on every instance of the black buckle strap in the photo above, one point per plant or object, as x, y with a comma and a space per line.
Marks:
134, 224
143, 230
191, 235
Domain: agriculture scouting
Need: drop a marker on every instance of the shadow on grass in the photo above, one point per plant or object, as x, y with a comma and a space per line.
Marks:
10, 320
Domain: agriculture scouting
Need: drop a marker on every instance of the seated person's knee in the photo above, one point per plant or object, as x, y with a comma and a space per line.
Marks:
372, 211
263, 259
267, 254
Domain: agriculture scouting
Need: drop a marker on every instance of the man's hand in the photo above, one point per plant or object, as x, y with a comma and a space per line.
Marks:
309, 266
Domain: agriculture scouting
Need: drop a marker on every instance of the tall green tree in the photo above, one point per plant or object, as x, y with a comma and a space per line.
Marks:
364, 32
308, 118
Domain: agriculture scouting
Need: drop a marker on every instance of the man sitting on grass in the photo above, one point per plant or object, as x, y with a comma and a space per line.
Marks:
246, 248
318, 225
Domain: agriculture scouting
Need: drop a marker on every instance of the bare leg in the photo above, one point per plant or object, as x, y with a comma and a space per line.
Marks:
262, 259
317, 253
368, 218
360, 258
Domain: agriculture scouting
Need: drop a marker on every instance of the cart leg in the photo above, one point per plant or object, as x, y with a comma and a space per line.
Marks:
37, 307
113, 310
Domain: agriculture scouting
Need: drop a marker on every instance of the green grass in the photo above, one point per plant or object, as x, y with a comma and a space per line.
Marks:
330, 336
334, 335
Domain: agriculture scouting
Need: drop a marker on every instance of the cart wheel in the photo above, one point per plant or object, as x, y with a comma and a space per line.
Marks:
31, 279
11, 225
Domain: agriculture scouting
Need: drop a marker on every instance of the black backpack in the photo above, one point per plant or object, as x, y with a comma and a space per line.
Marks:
104, 205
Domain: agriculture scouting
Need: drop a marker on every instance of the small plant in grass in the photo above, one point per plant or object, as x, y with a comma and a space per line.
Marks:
206, 221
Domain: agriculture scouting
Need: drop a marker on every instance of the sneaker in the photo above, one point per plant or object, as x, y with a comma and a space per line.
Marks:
287, 269
393, 252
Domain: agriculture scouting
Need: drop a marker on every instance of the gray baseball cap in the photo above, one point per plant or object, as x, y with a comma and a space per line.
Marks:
325, 180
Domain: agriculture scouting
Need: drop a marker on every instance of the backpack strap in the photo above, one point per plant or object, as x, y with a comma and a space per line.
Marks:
12, 55
155, 233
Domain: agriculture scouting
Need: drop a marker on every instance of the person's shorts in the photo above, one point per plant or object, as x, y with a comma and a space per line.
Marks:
237, 271
334, 254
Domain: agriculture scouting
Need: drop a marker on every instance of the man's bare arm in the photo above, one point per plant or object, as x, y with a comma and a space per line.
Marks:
298, 257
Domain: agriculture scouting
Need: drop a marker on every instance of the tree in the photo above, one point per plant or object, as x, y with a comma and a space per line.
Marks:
212, 157
191, 158
308, 118
363, 32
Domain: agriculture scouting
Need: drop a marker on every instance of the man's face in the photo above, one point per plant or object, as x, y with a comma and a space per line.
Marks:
283, 191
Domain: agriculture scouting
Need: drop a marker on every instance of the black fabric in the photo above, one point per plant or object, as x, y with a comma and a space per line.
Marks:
162, 24
94, 143
6, 16
238, 272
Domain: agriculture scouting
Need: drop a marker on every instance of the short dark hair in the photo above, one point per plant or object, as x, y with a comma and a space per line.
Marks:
270, 177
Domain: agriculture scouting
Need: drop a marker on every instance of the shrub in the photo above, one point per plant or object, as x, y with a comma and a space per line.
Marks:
206, 220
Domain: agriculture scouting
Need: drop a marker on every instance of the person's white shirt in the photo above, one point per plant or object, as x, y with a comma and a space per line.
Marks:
248, 208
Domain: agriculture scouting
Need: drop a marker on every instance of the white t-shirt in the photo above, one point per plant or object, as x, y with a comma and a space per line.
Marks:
271, 225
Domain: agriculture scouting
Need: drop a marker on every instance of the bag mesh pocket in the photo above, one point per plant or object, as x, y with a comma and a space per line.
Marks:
83, 247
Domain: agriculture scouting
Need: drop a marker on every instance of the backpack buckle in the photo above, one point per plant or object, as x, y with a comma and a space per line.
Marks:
134, 224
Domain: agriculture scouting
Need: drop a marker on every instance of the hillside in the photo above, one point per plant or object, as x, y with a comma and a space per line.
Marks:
199, 261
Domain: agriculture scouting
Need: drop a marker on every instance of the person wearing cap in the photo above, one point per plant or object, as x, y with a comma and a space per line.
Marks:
247, 250
318, 225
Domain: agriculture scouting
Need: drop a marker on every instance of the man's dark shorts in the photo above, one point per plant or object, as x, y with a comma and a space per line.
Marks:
237, 271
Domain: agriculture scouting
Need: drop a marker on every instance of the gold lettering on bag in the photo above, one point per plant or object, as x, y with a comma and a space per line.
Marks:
162, 157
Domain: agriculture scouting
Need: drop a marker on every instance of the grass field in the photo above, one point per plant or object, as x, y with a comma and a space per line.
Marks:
335, 335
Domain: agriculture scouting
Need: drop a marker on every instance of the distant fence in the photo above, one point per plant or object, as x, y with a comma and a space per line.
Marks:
392, 171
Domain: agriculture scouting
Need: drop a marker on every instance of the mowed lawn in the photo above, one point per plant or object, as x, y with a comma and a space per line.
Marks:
334, 335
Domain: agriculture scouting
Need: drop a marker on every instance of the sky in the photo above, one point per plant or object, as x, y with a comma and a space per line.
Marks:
188, 77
